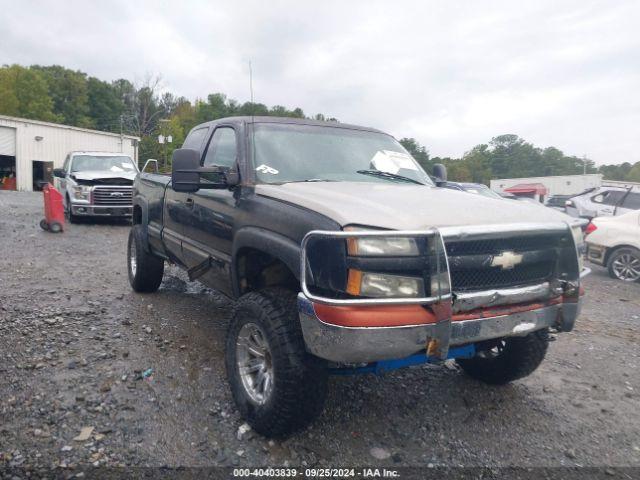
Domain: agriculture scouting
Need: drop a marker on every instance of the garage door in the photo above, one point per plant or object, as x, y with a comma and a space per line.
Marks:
8, 141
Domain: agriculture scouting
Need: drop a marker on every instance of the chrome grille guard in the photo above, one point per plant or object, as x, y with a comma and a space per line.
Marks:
566, 279
438, 335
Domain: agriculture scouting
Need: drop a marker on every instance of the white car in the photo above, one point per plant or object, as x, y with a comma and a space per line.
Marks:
614, 242
603, 202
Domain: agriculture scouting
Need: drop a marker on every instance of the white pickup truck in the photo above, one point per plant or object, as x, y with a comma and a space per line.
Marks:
96, 184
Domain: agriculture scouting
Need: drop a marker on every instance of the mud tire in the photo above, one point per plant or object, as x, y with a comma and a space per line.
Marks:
299, 379
517, 357
146, 276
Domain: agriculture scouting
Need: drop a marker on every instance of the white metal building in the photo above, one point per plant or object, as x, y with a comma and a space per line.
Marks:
30, 149
557, 185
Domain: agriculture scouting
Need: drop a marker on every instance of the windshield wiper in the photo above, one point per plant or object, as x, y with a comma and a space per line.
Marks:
394, 176
311, 180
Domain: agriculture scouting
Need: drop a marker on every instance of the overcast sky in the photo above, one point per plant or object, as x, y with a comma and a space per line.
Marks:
451, 74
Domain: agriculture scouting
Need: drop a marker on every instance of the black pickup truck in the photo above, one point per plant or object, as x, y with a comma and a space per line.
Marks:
345, 257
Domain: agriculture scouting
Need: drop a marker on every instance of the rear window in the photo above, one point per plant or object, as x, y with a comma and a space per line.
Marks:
632, 201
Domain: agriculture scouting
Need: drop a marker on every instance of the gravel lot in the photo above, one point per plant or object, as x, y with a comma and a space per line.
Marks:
74, 341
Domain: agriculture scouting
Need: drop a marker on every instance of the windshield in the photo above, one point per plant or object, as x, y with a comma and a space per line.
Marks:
116, 163
297, 153
482, 190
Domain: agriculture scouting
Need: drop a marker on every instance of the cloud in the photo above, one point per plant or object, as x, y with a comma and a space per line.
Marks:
450, 74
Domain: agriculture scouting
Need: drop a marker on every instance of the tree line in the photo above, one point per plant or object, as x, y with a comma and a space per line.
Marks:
58, 94
61, 95
509, 156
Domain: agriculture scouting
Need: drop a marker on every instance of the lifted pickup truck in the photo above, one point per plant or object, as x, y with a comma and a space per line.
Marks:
345, 257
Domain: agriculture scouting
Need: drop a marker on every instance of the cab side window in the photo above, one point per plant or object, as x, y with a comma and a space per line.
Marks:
65, 167
608, 198
222, 151
195, 138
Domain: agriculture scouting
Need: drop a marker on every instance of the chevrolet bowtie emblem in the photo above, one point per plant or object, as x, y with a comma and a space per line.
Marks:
506, 260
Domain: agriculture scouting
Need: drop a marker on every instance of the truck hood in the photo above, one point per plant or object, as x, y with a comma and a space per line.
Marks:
406, 207
104, 174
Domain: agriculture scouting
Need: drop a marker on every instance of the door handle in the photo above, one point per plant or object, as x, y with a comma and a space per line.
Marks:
189, 202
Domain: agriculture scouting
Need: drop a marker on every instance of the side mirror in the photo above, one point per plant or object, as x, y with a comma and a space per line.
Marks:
232, 176
188, 176
440, 173
185, 170
59, 172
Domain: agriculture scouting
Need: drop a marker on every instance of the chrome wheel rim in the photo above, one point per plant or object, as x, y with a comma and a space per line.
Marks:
133, 261
253, 357
627, 267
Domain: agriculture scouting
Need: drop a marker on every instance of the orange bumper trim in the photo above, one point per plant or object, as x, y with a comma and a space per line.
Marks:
406, 315
374, 316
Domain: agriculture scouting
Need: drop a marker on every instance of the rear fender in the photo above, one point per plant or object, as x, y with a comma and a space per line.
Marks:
142, 219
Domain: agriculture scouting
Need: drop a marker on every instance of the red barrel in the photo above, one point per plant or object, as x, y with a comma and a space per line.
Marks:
53, 220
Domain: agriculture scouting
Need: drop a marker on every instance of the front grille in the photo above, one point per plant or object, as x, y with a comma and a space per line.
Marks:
473, 264
497, 245
481, 279
112, 196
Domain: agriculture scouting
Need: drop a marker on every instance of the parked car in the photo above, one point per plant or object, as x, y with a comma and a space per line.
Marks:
528, 200
558, 202
614, 242
344, 257
476, 188
96, 184
603, 202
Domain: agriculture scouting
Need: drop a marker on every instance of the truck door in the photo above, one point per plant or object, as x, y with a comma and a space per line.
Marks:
61, 183
209, 235
178, 206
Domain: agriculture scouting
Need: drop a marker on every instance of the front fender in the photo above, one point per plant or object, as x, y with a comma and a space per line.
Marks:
275, 244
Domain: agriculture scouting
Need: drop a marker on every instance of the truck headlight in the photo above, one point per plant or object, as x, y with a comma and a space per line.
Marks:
380, 283
81, 192
369, 284
381, 246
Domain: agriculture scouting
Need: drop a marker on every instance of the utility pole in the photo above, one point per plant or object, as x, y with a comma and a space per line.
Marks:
584, 164
164, 138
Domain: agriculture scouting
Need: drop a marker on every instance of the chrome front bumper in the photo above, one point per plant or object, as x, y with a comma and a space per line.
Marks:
369, 344
102, 210
456, 318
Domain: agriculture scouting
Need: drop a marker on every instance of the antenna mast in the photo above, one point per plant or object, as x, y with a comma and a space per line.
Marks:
253, 125
251, 81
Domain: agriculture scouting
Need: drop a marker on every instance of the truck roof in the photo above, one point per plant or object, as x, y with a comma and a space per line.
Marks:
98, 154
288, 120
